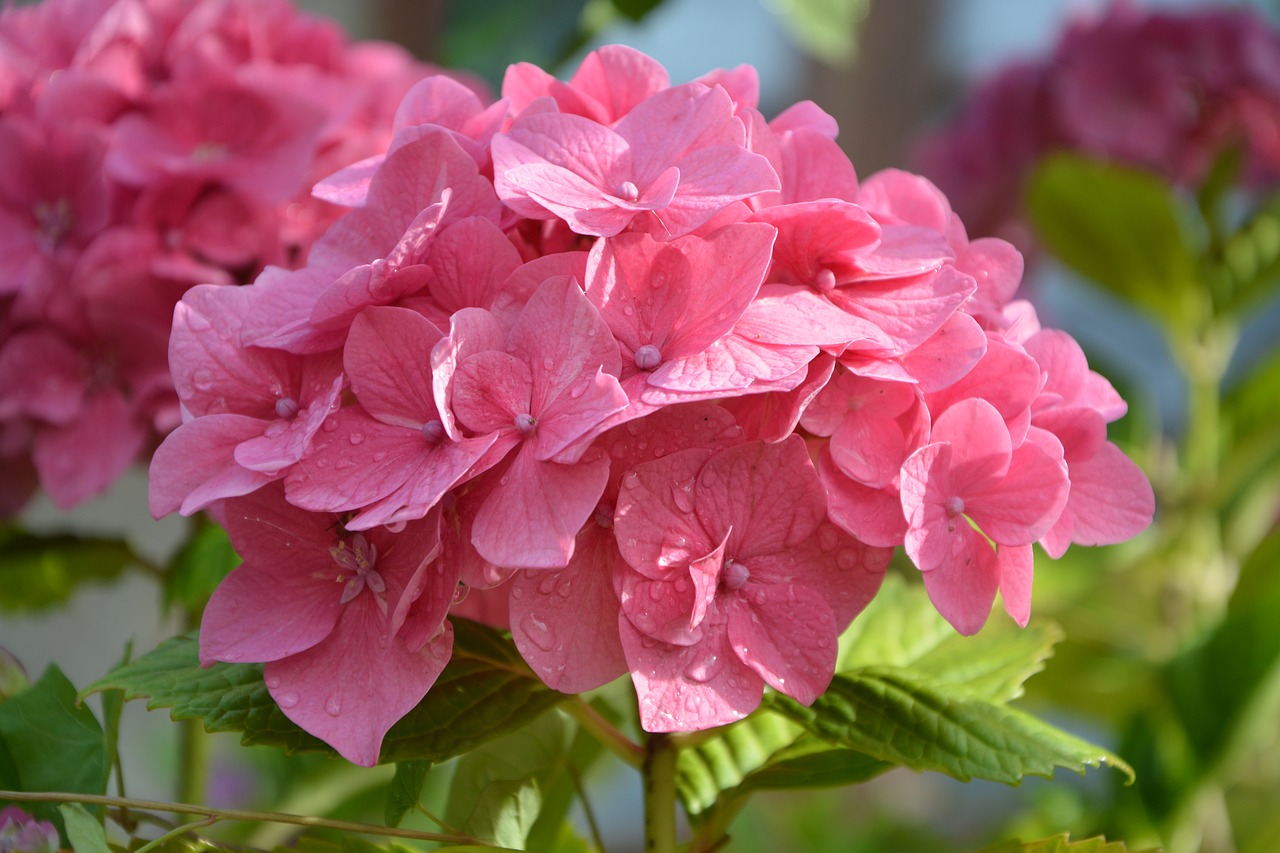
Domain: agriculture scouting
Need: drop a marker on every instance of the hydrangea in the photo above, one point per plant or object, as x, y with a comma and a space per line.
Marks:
21, 833
656, 377
1165, 91
146, 147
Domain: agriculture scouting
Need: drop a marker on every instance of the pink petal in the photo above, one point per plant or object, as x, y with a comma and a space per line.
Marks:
350, 689
875, 516
81, 459
787, 634
565, 623
195, 465
689, 688
963, 586
1110, 501
388, 360
654, 519
1017, 566
1024, 505
532, 518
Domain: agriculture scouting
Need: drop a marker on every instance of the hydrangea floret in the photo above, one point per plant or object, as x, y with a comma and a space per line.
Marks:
657, 378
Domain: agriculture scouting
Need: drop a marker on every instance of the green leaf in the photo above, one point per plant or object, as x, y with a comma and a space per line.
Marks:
635, 10
112, 709
902, 628
1250, 264
49, 743
1226, 688
198, 567
1063, 844
83, 830
896, 715
825, 29
496, 793
13, 678
1120, 227
39, 572
405, 791
485, 691
722, 762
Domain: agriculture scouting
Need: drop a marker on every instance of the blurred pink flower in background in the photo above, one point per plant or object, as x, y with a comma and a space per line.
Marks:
147, 147
1164, 91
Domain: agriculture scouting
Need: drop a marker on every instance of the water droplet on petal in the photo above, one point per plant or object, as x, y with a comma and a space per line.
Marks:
659, 280
460, 593
203, 379
547, 583
538, 631
517, 591
273, 681
356, 438
333, 705
330, 426
287, 700
703, 669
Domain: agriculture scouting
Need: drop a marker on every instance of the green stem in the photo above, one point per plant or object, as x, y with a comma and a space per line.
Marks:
602, 730
237, 815
176, 832
659, 771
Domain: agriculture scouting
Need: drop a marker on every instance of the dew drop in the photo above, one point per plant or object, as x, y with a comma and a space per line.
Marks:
273, 681
538, 631
322, 463
565, 588
659, 280
847, 559
330, 426
627, 310
827, 538
274, 430
460, 593
203, 379
547, 584
379, 456
356, 438
517, 591
704, 669
333, 705
343, 464
288, 700
548, 363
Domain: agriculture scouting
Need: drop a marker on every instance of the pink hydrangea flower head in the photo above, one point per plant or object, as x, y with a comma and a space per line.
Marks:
736, 580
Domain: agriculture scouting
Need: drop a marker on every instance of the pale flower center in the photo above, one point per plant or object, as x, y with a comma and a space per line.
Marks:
433, 431
628, 191
734, 575
357, 557
525, 423
286, 407
648, 357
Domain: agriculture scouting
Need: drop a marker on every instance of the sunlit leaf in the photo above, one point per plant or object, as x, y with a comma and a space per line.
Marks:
1120, 227
1063, 844
825, 29
83, 829
897, 716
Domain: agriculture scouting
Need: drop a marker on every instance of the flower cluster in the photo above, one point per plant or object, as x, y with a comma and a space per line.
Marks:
578, 350
21, 833
147, 146
1165, 91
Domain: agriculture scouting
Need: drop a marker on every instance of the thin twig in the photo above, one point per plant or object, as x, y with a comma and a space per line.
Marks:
586, 807
175, 832
238, 815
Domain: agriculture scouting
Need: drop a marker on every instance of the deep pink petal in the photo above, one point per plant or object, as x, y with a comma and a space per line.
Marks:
963, 586
875, 516
654, 518
195, 464
1026, 502
1017, 566
81, 459
388, 360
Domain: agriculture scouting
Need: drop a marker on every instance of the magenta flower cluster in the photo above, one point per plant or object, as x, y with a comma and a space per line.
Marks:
659, 381
21, 833
147, 146
1166, 91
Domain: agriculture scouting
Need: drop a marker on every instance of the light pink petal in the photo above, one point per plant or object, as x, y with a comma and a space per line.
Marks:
195, 464
1024, 504
565, 623
908, 311
805, 115
814, 167
875, 516
926, 489
532, 518
904, 197
783, 314
1017, 566
285, 440
774, 415
429, 474
689, 688
470, 262
963, 586
350, 689
980, 446
489, 390
471, 331
672, 124
787, 634
349, 186
352, 462
947, 355
618, 78
281, 302
732, 364
1110, 501
869, 448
